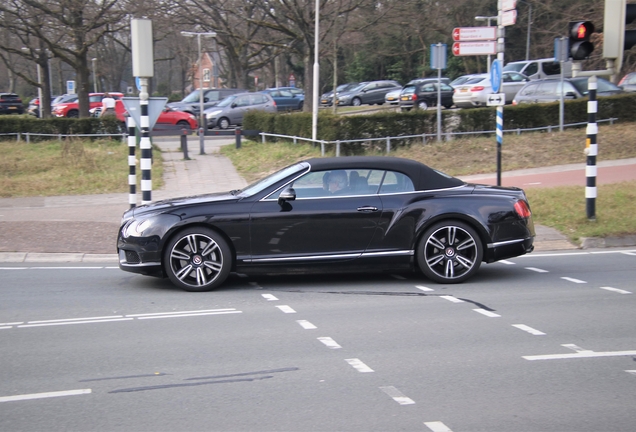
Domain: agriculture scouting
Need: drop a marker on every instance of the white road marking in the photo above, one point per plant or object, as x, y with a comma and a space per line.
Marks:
569, 279
423, 288
397, 395
506, 262
358, 365
12, 323
576, 348
487, 313
630, 253
286, 309
620, 291
330, 343
44, 395
437, 426
74, 322
538, 270
633, 372
528, 329
190, 314
269, 297
452, 299
306, 325
582, 354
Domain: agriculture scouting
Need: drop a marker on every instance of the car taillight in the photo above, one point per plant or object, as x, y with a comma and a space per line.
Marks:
522, 209
477, 88
414, 97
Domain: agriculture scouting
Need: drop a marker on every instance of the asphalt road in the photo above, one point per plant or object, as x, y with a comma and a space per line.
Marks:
543, 342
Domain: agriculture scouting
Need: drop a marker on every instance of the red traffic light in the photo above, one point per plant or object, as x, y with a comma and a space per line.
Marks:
579, 37
581, 30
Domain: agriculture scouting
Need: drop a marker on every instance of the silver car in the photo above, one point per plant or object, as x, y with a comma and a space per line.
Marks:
230, 111
549, 90
475, 91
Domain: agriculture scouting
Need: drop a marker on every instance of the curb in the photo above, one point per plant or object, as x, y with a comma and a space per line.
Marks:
29, 257
608, 242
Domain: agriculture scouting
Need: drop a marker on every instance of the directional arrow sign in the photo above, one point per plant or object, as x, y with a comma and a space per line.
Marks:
496, 99
474, 48
509, 17
474, 33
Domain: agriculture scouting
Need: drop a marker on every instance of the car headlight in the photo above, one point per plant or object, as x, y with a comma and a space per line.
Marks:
137, 227
212, 114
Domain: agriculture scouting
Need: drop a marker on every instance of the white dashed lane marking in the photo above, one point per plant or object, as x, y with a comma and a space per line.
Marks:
286, 309
528, 329
358, 365
306, 325
538, 270
577, 281
437, 426
330, 343
269, 297
451, 299
487, 313
397, 395
44, 395
616, 290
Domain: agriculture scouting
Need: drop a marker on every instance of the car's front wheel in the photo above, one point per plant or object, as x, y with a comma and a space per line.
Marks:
197, 259
450, 252
223, 123
356, 102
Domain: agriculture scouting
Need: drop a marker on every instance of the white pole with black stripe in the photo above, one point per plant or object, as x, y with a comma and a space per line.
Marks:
591, 150
145, 144
132, 162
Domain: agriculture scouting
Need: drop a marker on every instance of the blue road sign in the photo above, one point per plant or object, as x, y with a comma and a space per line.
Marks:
495, 75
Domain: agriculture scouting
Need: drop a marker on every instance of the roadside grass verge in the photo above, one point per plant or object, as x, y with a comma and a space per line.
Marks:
69, 167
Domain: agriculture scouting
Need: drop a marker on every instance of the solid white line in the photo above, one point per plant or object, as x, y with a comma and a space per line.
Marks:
397, 395
487, 313
538, 270
178, 312
189, 315
14, 268
585, 354
528, 329
437, 426
633, 372
74, 322
506, 262
576, 348
4, 328
452, 299
75, 319
330, 343
630, 253
67, 268
620, 291
44, 395
286, 309
569, 279
12, 323
306, 325
358, 365
269, 297
423, 288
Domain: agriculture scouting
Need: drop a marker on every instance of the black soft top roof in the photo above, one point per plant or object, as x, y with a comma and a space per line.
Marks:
423, 177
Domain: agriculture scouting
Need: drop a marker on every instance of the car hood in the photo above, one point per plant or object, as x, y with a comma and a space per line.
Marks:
169, 204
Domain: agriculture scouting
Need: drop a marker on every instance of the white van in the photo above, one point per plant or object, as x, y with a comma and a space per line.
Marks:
540, 69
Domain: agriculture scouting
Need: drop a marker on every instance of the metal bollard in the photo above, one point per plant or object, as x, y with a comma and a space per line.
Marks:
184, 143
237, 134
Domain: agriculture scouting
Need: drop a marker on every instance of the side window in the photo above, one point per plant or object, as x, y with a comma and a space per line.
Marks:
312, 185
428, 88
532, 69
243, 101
550, 68
212, 95
529, 90
286, 93
446, 87
395, 182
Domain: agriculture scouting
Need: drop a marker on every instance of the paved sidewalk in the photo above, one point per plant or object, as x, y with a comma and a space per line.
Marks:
84, 228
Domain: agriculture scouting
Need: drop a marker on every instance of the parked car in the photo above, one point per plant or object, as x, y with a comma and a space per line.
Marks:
461, 80
167, 116
327, 98
294, 90
475, 91
393, 97
71, 109
539, 69
230, 111
10, 103
286, 100
211, 97
549, 90
628, 82
372, 92
34, 105
424, 94
392, 214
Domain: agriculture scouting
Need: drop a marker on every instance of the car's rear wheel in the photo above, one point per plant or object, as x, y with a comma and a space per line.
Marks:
223, 123
72, 114
197, 259
356, 102
423, 105
184, 125
450, 252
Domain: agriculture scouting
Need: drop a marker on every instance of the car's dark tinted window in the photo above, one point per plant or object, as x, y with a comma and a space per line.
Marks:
395, 182
532, 69
551, 68
602, 86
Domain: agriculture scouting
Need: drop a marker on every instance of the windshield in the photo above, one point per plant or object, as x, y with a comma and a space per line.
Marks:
226, 102
260, 185
192, 97
602, 86
357, 87
515, 67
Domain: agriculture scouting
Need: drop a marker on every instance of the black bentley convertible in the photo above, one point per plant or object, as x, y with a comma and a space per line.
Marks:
330, 215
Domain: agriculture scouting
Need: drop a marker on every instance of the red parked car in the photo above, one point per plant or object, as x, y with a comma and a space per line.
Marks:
167, 117
71, 109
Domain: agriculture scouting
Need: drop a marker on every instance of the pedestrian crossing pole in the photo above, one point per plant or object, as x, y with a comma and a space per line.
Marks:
591, 149
132, 162
500, 109
145, 144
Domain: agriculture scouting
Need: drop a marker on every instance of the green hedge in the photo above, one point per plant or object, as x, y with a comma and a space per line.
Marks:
10, 124
414, 122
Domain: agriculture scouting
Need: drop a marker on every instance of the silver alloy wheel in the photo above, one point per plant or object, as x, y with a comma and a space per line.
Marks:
198, 260
356, 102
224, 123
422, 105
450, 252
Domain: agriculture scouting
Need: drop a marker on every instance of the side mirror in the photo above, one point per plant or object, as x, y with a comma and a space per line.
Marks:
234, 105
570, 95
288, 194
205, 100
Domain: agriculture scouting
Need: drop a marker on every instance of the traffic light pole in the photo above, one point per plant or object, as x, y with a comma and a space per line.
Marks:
591, 150
500, 57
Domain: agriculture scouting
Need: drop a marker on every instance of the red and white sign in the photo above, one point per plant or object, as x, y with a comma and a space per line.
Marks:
474, 48
509, 17
474, 33
507, 5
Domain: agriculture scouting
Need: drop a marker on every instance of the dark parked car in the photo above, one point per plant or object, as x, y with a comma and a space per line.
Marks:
327, 98
424, 94
367, 93
10, 103
211, 97
230, 111
549, 90
328, 215
286, 99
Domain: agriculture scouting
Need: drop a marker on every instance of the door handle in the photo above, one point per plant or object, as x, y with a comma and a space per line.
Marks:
367, 209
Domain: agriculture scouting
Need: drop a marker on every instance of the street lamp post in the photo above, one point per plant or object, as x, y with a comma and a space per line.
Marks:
201, 114
487, 19
314, 116
94, 80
